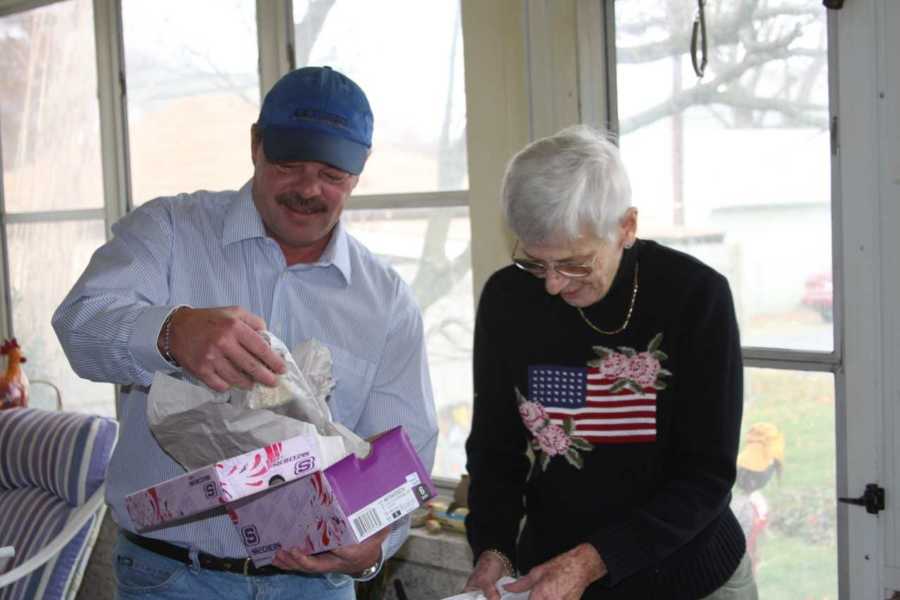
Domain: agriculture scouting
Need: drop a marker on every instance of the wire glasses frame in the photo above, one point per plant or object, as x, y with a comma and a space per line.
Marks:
539, 268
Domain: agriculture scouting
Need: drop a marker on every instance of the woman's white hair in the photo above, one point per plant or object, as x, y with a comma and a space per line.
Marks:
566, 185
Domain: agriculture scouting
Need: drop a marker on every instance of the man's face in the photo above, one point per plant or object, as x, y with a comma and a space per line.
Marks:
299, 202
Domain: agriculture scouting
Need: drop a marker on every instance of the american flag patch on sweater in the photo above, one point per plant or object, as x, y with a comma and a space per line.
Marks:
599, 414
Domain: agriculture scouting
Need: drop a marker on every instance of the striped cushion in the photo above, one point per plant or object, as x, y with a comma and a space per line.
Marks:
29, 519
64, 454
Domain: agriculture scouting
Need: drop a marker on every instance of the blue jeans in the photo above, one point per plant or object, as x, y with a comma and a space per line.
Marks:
142, 574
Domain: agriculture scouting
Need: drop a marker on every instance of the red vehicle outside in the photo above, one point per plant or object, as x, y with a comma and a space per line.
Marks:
819, 295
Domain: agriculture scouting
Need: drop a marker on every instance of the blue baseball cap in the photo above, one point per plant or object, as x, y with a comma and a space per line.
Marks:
316, 113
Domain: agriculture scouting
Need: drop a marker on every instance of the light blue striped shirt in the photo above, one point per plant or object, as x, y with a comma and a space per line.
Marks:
210, 249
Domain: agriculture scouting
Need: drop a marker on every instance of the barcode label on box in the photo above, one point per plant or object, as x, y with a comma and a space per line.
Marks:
366, 522
384, 511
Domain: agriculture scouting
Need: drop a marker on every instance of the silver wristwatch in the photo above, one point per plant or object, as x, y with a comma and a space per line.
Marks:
368, 571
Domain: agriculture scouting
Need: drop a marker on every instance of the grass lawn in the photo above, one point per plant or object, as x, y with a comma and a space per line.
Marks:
798, 550
791, 569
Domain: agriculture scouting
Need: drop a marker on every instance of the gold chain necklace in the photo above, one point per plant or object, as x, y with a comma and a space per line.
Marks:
634, 292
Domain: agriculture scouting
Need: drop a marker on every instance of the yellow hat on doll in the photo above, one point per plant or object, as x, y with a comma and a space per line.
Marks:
763, 447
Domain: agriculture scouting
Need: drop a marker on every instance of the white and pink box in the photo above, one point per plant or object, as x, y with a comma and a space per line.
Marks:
279, 496
345, 504
216, 485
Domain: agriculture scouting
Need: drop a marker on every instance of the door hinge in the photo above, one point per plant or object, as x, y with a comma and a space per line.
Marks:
872, 499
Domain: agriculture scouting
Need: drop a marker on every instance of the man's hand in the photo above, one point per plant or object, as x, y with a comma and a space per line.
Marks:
350, 560
563, 577
488, 570
221, 347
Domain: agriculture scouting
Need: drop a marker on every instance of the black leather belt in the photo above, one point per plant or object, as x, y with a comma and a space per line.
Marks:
244, 566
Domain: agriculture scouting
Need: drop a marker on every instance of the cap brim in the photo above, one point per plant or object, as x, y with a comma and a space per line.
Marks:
286, 145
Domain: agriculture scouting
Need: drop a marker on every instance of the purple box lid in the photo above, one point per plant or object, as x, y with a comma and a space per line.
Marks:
357, 482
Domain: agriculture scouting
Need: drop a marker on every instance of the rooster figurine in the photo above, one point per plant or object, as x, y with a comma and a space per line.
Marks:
13, 383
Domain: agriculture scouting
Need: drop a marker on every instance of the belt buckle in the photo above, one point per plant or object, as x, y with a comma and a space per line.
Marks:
247, 567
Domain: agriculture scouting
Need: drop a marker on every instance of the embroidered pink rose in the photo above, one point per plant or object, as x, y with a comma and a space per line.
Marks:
643, 368
553, 440
533, 415
548, 439
614, 366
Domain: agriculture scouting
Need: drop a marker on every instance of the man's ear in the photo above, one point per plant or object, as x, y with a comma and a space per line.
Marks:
255, 141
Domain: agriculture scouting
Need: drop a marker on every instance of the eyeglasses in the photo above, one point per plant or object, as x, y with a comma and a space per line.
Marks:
539, 268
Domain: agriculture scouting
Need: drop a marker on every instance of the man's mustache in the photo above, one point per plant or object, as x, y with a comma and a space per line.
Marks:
298, 202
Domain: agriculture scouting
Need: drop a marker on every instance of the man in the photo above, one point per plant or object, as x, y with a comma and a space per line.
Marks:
188, 281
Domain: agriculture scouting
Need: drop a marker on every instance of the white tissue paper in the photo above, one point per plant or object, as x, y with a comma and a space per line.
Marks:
197, 426
504, 595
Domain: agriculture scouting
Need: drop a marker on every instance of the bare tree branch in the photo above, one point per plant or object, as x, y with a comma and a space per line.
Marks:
307, 31
698, 94
724, 31
805, 114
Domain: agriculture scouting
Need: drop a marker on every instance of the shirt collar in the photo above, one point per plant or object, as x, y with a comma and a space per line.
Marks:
337, 252
242, 222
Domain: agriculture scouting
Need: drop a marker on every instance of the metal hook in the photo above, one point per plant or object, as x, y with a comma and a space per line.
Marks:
698, 29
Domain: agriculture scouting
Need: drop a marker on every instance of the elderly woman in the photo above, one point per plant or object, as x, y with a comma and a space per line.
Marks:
608, 397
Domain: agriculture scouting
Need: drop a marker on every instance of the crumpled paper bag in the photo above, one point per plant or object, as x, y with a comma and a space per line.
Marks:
504, 595
197, 426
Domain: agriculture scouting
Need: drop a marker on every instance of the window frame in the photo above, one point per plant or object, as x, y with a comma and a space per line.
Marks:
857, 248
275, 39
276, 57
754, 356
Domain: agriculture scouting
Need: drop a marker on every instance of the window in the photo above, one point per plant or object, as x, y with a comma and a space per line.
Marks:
790, 517
763, 107
193, 93
191, 90
734, 169
417, 97
410, 206
52, 184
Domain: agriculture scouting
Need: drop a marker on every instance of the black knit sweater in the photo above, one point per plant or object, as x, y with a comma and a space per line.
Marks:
652, 494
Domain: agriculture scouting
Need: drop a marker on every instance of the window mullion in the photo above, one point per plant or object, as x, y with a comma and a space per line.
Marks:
793, 360
596, 46
113, 110
275, 38
8, 7
6, 328
410, 200
51, 216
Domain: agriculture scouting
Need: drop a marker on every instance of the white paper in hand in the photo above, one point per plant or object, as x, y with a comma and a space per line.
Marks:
504, 595
302, 391
310, 384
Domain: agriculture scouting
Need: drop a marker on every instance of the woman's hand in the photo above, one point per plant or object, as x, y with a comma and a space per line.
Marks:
564, 577
488, 570
222, 347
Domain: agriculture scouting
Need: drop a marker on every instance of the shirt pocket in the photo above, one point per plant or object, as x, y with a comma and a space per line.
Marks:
354, 377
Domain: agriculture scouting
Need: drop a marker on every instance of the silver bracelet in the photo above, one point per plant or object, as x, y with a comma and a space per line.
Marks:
167, 328
507, 564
